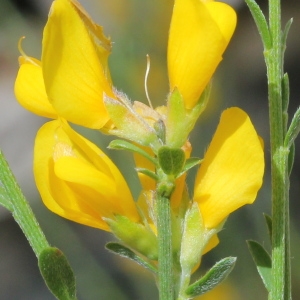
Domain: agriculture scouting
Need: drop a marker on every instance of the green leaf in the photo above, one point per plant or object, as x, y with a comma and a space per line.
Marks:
128, 253
13, 199
212, 278
124, 145
261, 23
262, 261
5, 183
291, 158
4, 199
148, 173
285, 34
268, 220
190, 163
171, 160
293, 130
285, 99
57, 274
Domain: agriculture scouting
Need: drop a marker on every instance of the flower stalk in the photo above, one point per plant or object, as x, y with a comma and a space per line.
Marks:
165, 266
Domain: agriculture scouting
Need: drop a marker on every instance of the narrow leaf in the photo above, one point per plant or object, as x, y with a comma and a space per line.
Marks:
4, 199
190, 163
57, 274
262, 261
293, 130
212, 278
268, 220
128, 253
285, 99
261, 23
285, 34
124, 145
15, 201
291, 158
148, 173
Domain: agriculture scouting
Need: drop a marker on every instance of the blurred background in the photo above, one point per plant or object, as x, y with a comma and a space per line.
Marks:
138, 28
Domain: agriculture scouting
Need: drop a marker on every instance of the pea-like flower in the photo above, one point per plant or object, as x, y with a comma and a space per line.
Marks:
73, 73
77, 180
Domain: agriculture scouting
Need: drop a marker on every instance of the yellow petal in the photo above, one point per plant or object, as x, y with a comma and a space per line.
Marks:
74, 62
199, 34
232, 170
213, 242
77, 180
30, 89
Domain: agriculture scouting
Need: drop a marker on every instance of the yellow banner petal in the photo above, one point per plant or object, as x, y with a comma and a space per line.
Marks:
232, 170
74, 62
199, 34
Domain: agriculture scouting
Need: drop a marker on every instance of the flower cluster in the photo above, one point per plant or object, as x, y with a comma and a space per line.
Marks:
76, 180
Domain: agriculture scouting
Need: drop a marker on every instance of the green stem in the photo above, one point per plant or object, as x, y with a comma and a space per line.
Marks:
279, 155
21, 210
164, 232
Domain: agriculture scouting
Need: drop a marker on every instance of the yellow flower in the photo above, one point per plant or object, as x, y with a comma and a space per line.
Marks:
199, 34
232, 169
73, 74
77, 180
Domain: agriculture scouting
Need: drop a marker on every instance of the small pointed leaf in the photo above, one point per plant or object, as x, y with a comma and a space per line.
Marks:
124, 145
285, 34
171, 160
293, 130
128, 253
285, 92
148, 173
57, 274
268, 220
262, 261
261, 23
291, 158
190, 163
212, 278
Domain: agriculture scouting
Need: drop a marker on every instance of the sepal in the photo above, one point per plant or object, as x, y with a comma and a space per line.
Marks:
128, 124
57, 274
128, 253
180, 120
194, 239
212, 278
135, 235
